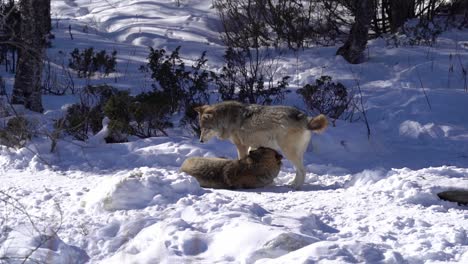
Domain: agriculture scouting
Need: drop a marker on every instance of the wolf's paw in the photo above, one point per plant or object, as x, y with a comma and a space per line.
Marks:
294, 184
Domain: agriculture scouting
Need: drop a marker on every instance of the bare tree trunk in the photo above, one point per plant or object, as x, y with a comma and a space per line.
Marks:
354, 47
35, 18
385, 17
460, 7
401, 10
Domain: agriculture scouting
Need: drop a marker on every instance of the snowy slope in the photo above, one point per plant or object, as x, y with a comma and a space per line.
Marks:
365, 200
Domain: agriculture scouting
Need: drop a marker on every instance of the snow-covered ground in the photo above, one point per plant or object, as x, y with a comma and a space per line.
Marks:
364, 201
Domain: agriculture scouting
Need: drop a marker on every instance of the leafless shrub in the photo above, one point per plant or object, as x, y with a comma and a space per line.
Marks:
330, 98
249, 75
16, 132
253, 23
85, 117
43, 228
59, 78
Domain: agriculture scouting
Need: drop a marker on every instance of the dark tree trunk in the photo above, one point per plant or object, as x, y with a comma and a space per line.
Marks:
353, 49
460, 8
385, 17
401, 11
35, 25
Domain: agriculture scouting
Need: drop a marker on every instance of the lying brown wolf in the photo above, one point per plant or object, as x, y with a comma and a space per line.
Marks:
282, 128
256, 170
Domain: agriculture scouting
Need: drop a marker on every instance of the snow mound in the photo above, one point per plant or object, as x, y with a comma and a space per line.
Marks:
366, 178
216, 227
141, 188
282, 244
413, 129
332, 252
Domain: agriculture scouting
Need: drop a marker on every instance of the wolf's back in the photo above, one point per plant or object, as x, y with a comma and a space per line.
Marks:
271, 117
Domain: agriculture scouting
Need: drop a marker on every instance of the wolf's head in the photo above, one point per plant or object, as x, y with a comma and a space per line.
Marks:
219, 119
207, 120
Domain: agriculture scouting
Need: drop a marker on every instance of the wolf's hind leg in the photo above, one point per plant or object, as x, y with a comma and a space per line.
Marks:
292, 154
297, 182
294, 148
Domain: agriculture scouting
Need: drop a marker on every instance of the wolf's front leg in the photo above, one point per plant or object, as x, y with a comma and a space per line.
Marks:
298, 181
242, 151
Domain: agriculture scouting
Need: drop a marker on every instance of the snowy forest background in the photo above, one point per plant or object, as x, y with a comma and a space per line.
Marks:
96, 117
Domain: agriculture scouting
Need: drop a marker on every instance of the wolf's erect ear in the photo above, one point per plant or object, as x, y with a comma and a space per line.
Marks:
278, 156
207, 116
200, 109
255, 154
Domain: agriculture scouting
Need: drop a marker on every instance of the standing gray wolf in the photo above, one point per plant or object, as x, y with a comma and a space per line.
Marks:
258, 169
282, 128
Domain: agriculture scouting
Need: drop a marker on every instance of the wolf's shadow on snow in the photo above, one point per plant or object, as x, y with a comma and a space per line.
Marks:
286, 188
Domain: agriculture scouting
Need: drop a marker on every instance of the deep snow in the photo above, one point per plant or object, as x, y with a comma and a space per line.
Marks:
365, 200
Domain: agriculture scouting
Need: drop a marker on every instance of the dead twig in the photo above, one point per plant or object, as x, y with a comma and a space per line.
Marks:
361, 102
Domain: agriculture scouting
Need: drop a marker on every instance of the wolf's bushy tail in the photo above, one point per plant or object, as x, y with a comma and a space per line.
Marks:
318, 123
